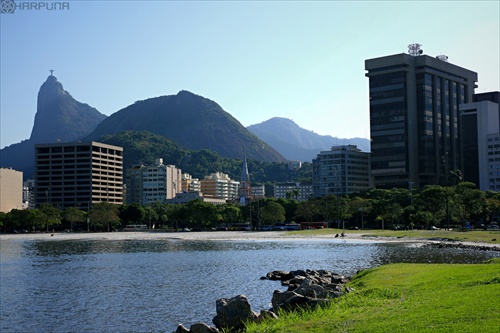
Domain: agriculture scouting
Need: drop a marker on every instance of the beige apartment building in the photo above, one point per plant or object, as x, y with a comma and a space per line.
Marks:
219, 185
190, 184
11, 190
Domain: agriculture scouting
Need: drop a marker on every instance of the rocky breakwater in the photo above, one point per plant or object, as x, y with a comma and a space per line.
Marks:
306, 289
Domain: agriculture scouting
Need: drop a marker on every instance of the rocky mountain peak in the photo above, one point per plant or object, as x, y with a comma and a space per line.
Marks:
50, 90
60, 117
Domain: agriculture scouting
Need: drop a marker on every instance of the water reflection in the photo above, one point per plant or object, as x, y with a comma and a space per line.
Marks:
139, 285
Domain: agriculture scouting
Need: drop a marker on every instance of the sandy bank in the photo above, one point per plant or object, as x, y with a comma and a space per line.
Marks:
146, 235
224, 236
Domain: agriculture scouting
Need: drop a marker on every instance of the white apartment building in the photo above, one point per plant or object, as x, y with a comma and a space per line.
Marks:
29, 194
258, 191
153, 183
490, 176
298, 191
481, 140
219, 185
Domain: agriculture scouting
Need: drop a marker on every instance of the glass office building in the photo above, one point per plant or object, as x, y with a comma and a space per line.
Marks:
414, 118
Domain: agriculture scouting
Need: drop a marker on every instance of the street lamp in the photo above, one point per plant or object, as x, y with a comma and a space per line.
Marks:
47, 202
361, 210
88, 216
411, 193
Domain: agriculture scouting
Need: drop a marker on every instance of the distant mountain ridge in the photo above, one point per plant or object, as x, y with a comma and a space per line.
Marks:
188, 120
296, 143
191, 121
59, 117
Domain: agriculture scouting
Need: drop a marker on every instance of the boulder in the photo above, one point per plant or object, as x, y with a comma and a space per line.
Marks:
282, 297
232, 313
265, 314
289, 300
307, 288
313, 291
181, 329
202, 328
277, 276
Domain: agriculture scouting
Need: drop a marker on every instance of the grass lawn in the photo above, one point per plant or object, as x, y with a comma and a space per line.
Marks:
406, 298
480, 236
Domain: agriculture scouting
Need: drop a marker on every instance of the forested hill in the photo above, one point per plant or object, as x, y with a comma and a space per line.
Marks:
145, 147
191, 121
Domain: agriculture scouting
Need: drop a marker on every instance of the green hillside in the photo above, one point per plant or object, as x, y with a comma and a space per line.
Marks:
193, 122
145, 147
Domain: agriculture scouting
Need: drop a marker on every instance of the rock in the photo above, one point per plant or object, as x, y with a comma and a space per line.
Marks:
233, 312
313, 291
181, 329
308, 288
202, 328
290, 300
265, 314
281, 297
278, 276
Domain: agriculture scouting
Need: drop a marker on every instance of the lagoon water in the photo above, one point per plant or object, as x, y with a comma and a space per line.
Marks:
153, 285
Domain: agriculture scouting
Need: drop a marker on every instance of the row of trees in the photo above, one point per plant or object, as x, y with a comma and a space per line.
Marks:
459, 205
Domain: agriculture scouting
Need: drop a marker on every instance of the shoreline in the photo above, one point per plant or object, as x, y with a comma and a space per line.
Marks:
231, 236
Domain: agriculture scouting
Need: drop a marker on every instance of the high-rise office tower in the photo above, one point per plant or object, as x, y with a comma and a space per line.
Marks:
414, 117
77, 174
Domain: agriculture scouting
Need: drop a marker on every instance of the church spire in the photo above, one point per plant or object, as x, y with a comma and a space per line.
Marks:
244, 190
245, 176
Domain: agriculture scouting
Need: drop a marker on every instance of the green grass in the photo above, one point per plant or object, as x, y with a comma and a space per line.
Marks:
479, 236
406, 298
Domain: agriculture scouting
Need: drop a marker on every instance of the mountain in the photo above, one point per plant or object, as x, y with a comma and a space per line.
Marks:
59, 117
191, 121
296, 143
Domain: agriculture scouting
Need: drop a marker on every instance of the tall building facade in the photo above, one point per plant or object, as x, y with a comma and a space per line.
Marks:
414, 117
481, 140
341, 170
153, 183
11, 190
77, 174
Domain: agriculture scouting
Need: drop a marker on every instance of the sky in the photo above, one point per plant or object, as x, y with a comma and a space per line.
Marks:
300, 60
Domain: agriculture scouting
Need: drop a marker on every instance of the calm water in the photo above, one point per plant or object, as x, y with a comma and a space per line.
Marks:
151, 286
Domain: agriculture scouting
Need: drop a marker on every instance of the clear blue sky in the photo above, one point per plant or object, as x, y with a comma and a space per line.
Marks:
299, 60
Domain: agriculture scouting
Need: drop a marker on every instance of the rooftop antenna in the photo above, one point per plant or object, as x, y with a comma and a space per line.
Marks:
414, 50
